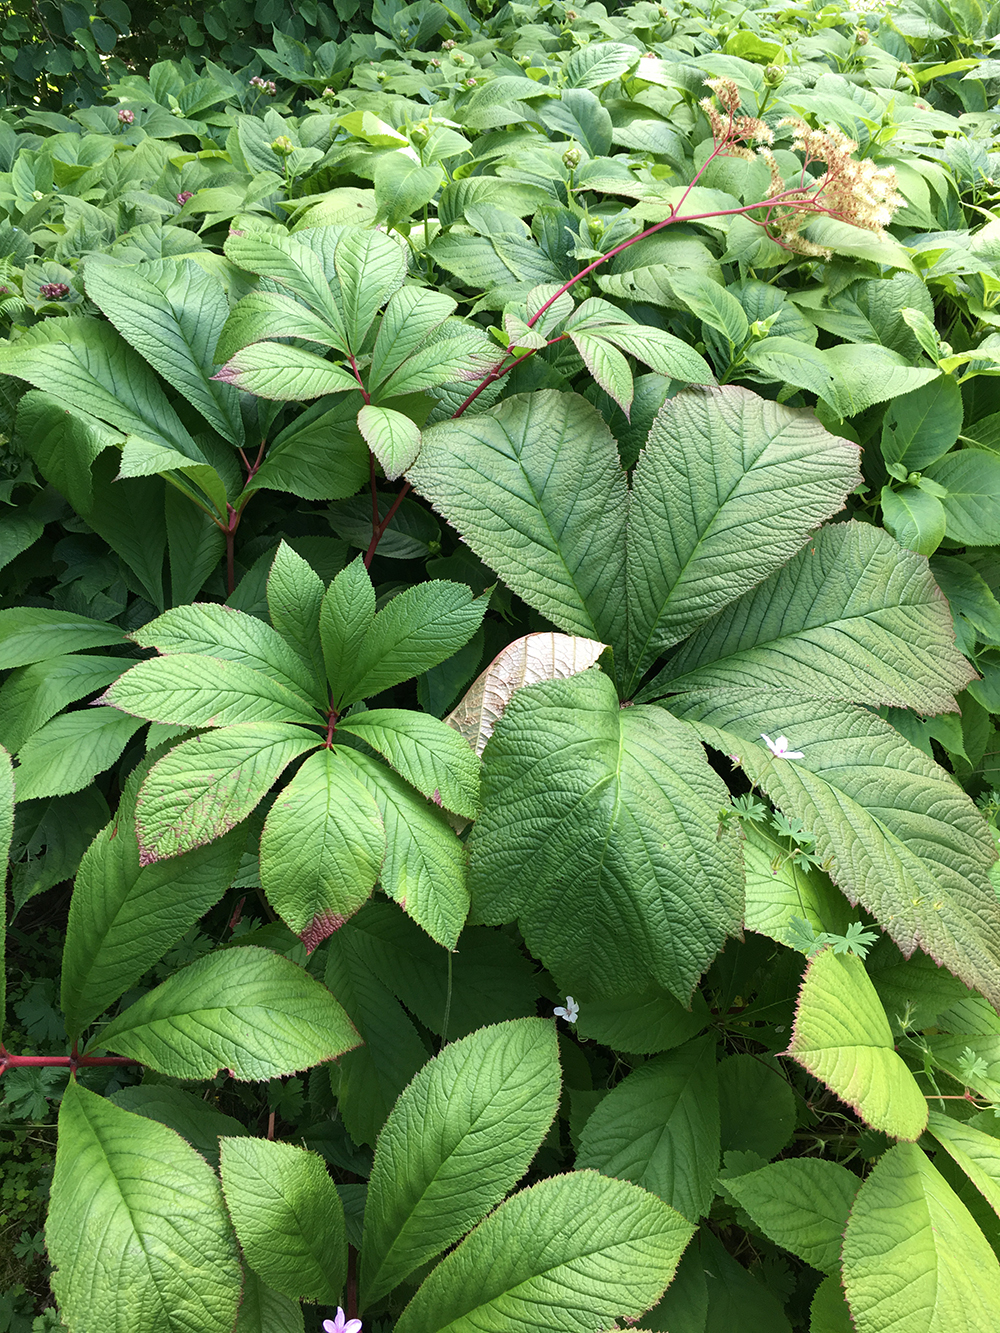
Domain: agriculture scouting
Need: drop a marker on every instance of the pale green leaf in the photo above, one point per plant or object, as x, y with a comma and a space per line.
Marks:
190, 690
346, 616
972, 505
402, 186
292, 264
392, 437
279, 371
32, 694
67, 753
294, 596
371, 265
410, 316
427, 753
712, 304
801, 1204
265, 1311
141, 458
919, 427
262, 315
978, 1154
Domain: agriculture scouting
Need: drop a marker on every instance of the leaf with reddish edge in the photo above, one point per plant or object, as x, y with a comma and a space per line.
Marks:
205, 786
843, 1038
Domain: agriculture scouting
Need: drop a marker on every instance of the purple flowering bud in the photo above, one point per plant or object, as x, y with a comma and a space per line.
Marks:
53, 291
126, 117
184, 196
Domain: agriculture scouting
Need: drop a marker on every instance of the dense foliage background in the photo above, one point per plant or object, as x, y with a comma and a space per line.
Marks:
500, 634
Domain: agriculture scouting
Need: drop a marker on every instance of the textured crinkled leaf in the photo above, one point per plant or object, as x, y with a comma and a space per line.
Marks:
31, 695
286, 373
459, 1138
370, 265
852, 616
897, 833
392, 437
426, 752
978, 1154
137, 1224
525, 661
535, 487
205, 786
321, 849
595, 821
262, 315
723, 473
659, 1127
569, 1255
294, 596
189, 690
288, 1217
801, 1204
34, 633
843, 1038
65, 754
913, 1259
265, 1311
244, 1009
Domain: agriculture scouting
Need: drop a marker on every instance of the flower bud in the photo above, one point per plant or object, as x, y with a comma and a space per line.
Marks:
126, 117
447, 45
184, 196
53, 291
470, 83
572, 158
773, 75
283, 146
176, 111
862, 36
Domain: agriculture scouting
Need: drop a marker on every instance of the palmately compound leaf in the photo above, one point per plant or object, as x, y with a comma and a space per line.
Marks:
426, 752
189, 690
801, 1204
894, 830
659, 1128
843, 1038
852, 616
119, 1243
597, 820
65, 754
321, 849
569, 1255
243, 1008
459, 1138
525, 661
288, 1217
535, 487
205, 786
913, 1259
724, 474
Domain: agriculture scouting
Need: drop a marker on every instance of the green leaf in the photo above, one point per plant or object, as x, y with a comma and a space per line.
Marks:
850, 617
913, 1259
642, 1022
896, 831
320, 455
662, 352
169, 1252
124, 917
543, 465
919, 427
403, 186
265, 1311
425, 864
829, 1312
189, 690
371, 265
843, 1038
778, 891
67, 753
758, 1110
459, 1138
972, 505
849, 376
294, 265
607, 365
607, 818
569, 1255
916, 519
427, 753
659, 1127
262, 315
172, 312
410, 316
140, 458
345, 620
712, 304
207, 785
6, 832
455, 351
288, 1217
279, 371
321, 849
294, 596
32, 694
598, 63
978, 1154
34, 634
392, 437
800, 1204
245, 1009
20, 532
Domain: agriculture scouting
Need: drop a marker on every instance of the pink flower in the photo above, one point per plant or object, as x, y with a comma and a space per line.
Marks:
341, 1324
125, 117
184, 196
53, 291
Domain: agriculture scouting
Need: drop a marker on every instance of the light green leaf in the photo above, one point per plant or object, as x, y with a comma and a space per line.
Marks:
662, 352
868, 373
607, 365
279, 371
140, 458
32, 694
598, 63
429, 754
972, 505
858, 242
913, 1259
262, 315
712, 304
207, 785
916, 519
659, 1127
172, 312
320, 454
294, 596
776, 474
801, 1204
607, 818
244, 1009
288, 1217
778, 891
829, 1312
403, 186
292, 264
410, 316
168, 1252
978, 1154
265, 1311
188, 690
843, 1038
392, 437
34, 634
371, 265
321, 849
461, 1135
850, 617
569, 1255
536, 489
451, 352
919, 427
67, 753
346, 616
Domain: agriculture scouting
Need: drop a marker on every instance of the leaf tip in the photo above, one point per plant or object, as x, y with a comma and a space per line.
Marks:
320, 928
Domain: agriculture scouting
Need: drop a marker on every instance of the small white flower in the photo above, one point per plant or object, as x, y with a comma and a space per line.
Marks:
570, 1011
779, 748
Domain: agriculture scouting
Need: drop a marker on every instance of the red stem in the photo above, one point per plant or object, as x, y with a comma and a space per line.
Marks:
379, 531
499, 373
351, 1294
8, 1061
357, 375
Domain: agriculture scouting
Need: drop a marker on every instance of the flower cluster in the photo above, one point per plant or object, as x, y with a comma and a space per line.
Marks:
733, 133
53, 291
184, 196
266, 86
126, 117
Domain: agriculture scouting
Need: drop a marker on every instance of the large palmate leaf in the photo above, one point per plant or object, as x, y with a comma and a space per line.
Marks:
727, 489
596, 820
852, 616
462, 1134
898, 833
244, 1009
568, 1255
168, 1251
660, 1128
914, 1261
536, 489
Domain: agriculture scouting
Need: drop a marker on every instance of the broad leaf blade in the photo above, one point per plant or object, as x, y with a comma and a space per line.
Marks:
285, 373
370, 266
412, 313
189, 690
392, 437
426, 752
294, 595
67, 753
801, 1204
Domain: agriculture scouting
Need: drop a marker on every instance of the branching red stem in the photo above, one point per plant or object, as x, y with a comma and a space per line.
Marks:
379, 531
